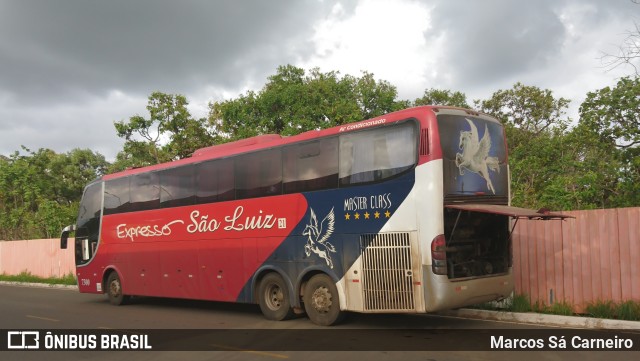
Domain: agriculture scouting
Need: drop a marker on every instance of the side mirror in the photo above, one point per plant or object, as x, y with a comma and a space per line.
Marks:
65, 235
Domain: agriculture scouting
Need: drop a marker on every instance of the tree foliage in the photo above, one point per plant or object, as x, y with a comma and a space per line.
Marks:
535, 124
610, 121
169, 133
442, 97
39, 191
293, 101
592, 165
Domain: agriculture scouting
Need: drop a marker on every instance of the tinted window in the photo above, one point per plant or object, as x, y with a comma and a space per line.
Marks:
116, 196
226, 176
177, 186
89, 212
259, 174
311, 166
88, 222
214, 181
145, 191
376, 154
468, 142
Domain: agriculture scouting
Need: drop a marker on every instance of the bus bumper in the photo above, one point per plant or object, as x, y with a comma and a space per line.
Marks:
443, 294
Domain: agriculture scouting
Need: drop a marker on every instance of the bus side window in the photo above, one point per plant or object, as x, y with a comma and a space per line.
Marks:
226, 183
116, 196
259, 174
177, 186
145, 191
214, 181
311, 166
377, 154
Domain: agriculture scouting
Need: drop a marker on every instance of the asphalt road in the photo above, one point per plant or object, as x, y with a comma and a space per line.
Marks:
28, 308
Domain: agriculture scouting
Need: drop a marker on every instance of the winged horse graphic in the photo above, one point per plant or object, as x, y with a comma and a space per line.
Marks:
475, 154
318, 234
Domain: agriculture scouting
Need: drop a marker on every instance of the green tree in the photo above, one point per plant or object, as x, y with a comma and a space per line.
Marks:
615, 113
443, 97
536, 126
39, 191
169, 133
610, 120
294, 101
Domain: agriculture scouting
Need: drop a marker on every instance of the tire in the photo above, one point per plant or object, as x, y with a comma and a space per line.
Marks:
115, 291
273, 297
321, 301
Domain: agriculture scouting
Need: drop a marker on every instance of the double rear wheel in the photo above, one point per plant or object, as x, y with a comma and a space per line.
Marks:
273, 297
321, 301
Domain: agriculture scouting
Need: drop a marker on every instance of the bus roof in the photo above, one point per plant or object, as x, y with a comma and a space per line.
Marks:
273, 140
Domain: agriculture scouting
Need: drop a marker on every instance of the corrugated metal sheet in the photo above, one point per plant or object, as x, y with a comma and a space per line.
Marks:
594, 257
40, 257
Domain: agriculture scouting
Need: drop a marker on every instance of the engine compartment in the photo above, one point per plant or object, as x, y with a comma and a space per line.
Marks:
477, 244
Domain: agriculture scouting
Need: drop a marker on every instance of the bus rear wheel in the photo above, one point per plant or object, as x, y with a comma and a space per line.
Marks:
273, 297
321, 301
114, 290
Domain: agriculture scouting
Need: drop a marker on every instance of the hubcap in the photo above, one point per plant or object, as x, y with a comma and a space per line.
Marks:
274, 297
115, 288
321, 299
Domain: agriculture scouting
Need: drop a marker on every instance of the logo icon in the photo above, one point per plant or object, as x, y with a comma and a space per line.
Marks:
23, 340
318, 235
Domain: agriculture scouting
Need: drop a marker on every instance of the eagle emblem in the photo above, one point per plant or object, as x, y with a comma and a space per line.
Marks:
318, 236
475, 154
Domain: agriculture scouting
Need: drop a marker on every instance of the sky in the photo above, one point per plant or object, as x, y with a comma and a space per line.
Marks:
70, 68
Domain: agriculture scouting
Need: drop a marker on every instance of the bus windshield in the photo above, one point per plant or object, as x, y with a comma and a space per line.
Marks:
88, 223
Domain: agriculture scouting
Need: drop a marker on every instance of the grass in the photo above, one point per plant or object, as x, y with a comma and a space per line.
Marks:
628, 310
520, 303
601, 309
27, 277
561, 308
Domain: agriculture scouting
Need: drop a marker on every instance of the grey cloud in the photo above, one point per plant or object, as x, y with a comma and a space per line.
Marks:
50, 50
490, 40
60, 58
492, 44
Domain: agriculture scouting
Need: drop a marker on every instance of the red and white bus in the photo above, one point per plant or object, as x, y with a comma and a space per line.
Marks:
407, 213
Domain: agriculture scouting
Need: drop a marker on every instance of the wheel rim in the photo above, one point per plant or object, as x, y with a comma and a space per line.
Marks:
274, 297
321, 299
115, 288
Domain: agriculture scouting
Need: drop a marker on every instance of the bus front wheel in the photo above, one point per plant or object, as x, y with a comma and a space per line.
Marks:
273, 297
114, 290
321, 301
